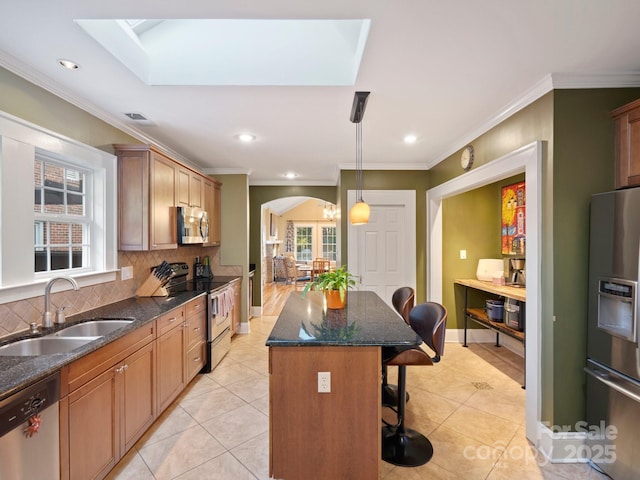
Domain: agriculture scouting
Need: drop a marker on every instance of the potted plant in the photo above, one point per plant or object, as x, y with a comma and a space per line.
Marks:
334, 284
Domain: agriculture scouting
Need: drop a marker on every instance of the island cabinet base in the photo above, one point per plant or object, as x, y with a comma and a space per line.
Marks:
324, 435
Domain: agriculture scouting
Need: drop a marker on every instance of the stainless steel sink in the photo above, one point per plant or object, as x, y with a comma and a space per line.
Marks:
44, 346
93, 328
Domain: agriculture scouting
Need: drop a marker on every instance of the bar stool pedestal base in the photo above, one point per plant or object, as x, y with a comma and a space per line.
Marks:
406, 448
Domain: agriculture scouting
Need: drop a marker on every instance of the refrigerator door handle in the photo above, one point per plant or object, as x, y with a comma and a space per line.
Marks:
614, 381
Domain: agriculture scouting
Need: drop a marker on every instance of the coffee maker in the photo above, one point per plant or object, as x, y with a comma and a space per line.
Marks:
514, 268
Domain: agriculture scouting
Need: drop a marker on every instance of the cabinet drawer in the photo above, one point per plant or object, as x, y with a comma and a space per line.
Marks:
196, 306
170, 320
195, 360
196, 330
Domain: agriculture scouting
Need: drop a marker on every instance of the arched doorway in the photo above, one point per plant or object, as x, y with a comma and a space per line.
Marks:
300, 226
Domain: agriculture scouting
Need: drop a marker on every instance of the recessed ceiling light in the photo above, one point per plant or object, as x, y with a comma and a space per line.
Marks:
71, 65
246, 137
410, 138
290, 175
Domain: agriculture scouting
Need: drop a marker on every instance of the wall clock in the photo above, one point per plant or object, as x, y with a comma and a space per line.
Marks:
466, 159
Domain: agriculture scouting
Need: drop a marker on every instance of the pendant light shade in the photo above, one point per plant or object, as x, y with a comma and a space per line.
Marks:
359, 214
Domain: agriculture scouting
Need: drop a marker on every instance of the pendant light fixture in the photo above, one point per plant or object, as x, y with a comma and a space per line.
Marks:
359, 214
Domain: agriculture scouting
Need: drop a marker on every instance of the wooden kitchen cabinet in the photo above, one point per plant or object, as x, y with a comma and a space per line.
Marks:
627, 144
171, 344
108, 401
212, 205
196, 324
236, 314
147, 186
190, 189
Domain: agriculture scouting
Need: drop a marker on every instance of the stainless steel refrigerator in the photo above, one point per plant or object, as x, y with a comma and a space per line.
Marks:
613, 363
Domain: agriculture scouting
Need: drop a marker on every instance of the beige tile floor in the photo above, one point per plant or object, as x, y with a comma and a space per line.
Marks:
470, 405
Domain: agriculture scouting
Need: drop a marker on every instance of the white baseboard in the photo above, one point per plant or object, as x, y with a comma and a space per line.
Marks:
561, 446
256, 311
483, 335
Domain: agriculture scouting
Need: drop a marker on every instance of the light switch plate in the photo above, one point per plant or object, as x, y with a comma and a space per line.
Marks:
463, 254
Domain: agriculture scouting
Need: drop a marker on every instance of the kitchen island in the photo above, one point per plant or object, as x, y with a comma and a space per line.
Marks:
334, 434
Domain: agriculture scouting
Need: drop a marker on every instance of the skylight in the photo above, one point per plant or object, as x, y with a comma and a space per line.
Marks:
235, 52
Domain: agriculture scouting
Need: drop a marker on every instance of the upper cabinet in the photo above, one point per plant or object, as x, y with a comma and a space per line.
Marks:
146, 199
627, 142
190, 189
211, 194
150, 186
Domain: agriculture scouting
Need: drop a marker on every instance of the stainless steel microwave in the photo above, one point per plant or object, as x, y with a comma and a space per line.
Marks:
193, 225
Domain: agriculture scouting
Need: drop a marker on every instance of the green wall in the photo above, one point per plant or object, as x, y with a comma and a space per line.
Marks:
471, 222
234, 244
577, 131
34, 104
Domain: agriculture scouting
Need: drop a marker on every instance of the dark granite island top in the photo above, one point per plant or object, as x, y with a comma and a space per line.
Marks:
365, 321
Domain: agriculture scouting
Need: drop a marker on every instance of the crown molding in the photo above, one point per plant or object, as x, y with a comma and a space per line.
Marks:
31, 75
385, 166
227, 171
558, 81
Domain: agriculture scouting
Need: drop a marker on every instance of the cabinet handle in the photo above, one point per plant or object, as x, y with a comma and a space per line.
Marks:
119, 369
196, 306
197, 329
197, 359
173, 319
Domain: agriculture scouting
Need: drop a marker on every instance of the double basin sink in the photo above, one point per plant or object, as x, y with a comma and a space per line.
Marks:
64, 340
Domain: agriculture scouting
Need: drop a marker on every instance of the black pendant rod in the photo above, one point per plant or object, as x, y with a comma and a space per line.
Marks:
359, 105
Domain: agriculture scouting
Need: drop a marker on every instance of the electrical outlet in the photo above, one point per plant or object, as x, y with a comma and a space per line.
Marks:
463, 254
324, 382
126, 273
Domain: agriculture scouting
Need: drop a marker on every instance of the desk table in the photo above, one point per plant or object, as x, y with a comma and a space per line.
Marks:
316, 435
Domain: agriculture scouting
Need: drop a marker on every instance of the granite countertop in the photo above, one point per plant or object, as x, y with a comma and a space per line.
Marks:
18, 372
365, 321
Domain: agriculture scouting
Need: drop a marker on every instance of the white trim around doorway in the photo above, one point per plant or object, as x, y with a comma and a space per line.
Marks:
527, 159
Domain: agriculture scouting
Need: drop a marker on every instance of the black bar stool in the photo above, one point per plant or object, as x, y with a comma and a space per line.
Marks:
402, 300
401, 445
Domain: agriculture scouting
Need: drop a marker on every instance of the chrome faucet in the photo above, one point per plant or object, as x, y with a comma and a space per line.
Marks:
47, 315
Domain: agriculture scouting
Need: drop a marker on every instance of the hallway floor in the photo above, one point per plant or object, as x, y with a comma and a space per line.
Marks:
470, 405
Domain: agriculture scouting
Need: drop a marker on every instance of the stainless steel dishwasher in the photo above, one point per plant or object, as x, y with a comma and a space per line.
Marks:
29, 439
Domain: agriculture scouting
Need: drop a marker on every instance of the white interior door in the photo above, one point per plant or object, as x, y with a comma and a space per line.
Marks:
383, 252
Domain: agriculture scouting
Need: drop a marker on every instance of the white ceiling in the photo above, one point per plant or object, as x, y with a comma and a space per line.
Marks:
443, 70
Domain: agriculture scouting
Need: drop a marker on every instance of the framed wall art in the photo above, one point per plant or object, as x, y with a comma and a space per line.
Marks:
514, 205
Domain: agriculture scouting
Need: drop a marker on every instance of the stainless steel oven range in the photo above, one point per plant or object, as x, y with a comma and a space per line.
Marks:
218, 326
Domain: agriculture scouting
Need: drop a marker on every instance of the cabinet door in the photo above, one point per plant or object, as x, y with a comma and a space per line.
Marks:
215, 219
163, 227
133, 200
93, 428
138, 395
171, 365
182, 195
195, 190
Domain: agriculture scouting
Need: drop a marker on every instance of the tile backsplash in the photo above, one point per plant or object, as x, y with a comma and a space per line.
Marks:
16, 316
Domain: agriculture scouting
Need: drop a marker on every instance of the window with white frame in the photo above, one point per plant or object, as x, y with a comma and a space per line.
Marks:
329, 245
315, 239
57, 210
62, 223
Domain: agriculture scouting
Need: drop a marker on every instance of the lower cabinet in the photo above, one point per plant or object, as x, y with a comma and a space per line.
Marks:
107, 411
171, 358
110, 397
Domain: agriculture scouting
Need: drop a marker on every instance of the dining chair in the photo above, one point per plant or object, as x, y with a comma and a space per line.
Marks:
318, 266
